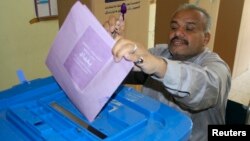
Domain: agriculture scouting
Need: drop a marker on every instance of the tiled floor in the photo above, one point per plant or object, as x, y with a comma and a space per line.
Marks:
240, 90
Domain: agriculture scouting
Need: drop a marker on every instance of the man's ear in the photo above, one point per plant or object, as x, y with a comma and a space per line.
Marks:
207, 38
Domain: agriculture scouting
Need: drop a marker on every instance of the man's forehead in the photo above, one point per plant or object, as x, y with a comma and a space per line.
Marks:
188, 16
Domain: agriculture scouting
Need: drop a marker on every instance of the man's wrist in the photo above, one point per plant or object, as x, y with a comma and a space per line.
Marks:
161, 67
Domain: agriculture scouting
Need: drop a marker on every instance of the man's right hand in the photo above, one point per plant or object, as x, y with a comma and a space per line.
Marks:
114, 26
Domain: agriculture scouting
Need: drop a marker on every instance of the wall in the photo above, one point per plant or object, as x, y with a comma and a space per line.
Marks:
23, 45
64, 7
151, 23
242, 58
164, 10
227, 32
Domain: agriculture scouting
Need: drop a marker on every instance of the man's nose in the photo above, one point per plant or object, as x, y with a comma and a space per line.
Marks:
180, 32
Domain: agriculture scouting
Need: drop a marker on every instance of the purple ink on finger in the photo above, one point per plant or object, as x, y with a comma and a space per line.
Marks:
123, 9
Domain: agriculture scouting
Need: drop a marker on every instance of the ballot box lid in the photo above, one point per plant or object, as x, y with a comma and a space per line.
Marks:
40, 110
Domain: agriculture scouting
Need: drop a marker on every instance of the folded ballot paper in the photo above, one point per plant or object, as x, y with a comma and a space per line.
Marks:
81, 61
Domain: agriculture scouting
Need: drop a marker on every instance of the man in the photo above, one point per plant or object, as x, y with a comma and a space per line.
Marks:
185, 74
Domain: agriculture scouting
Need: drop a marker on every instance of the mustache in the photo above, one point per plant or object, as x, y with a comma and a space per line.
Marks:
178, 38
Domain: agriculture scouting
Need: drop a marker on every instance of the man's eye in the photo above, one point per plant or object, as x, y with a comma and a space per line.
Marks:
173, 27
190, 28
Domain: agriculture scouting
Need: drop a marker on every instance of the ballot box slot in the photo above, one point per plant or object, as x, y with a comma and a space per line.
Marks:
77, 120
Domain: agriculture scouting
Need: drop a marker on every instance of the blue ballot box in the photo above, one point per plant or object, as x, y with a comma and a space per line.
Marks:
40, 110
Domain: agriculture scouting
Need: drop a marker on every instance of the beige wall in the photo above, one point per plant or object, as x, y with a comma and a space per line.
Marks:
242, 58
151, 22
23, 45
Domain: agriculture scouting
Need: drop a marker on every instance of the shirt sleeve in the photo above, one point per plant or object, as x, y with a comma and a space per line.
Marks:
194, 86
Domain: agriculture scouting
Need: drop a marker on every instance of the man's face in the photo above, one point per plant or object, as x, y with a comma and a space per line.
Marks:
187, 35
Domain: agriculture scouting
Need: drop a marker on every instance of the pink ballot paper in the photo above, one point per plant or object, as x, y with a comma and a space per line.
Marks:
81, 61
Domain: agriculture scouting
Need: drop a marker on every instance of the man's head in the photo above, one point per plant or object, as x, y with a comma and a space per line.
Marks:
189, 31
